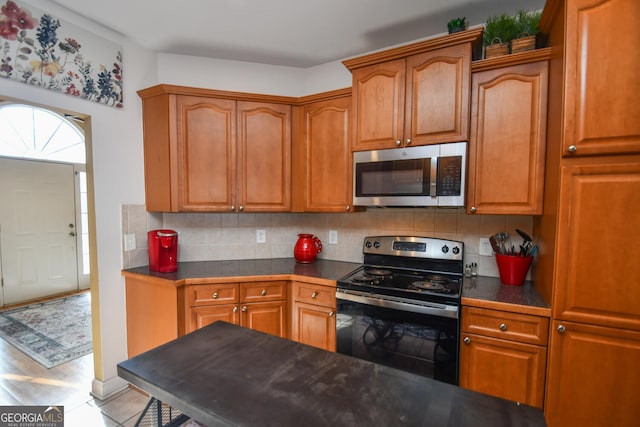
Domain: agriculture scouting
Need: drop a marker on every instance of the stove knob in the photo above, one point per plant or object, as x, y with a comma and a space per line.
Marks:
445, 249
376, 244
368, 244
455, 250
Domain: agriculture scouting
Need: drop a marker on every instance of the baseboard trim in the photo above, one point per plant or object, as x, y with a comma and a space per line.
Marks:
103, 390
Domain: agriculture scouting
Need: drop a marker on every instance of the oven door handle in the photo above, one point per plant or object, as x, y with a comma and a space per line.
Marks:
441, 310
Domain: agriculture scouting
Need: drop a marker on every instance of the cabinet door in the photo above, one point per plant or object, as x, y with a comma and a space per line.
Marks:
593, 376
314, 325
206, 315
206, 134
327, 156
508, 137
601, 96
597, 270
264, 157
378, 102
437, 96
501, 368
267, 317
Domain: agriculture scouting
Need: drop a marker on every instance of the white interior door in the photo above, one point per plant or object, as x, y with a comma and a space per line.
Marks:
37, 229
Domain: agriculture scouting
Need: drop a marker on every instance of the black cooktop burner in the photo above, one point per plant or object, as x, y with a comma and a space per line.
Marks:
405, 283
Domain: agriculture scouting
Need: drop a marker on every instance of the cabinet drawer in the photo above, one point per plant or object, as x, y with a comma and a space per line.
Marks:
223, 293
314, 294
510, 326
263, 291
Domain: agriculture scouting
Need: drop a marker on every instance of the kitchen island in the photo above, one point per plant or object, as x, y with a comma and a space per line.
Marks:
228, 375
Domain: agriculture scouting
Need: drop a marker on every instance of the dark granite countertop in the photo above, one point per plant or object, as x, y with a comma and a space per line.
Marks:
227, 375
489, 292
320, 269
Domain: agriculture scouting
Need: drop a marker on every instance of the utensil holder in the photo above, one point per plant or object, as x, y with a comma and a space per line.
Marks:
513, 268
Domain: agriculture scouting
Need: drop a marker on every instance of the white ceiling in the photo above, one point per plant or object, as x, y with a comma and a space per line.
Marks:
297, 33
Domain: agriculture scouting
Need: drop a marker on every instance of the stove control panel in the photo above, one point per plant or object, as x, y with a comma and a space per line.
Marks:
414, 246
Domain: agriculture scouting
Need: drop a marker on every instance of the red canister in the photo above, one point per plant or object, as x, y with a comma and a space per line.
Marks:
307, 248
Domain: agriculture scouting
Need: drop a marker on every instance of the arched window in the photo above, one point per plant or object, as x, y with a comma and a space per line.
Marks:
36, 133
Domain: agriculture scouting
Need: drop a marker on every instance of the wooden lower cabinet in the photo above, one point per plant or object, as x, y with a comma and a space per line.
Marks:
313, 320
594, 376
497, 356
261, 306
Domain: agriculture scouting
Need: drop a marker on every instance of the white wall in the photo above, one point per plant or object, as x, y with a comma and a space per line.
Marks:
251, 77
118, 178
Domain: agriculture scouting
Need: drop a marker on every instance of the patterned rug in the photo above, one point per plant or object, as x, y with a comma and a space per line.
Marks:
51, 332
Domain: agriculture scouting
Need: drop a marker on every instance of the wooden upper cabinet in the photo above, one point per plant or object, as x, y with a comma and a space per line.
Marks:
379, 92
264, 157
437, 96
206, 153
602, 112
508, 137
322, 164
413, 95
214, 151
598, 272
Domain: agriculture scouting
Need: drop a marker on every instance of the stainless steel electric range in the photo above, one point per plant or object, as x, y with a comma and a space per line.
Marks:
401, 308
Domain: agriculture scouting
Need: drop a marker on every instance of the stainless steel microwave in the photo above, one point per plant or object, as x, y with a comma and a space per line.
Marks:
428, 175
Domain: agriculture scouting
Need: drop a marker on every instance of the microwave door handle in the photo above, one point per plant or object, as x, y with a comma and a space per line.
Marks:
433, 179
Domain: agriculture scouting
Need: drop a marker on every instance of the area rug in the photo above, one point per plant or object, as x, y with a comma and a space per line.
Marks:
50, 332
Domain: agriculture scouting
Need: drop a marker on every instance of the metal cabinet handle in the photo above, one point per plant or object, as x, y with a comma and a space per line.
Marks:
244, 309
398, 143
233, 208
241, 208
331, 313
467, 340
408, 141
215, 295
235, 309
348, 208
263, 292
72, 234
561, 329
314, 295
473, 209
572, 148
503, 327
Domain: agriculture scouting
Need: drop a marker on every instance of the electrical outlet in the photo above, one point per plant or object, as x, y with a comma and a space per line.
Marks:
333, 237
485, 248
129, 242
261, 236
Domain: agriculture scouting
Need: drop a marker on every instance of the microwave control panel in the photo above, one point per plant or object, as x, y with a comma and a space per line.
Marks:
449, 174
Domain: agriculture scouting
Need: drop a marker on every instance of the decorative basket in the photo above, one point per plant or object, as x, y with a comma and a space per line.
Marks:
523, 44
496, 48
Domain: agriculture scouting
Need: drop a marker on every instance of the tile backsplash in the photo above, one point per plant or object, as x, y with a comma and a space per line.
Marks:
218, 236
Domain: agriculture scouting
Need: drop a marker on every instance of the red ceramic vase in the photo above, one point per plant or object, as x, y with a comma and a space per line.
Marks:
307, 248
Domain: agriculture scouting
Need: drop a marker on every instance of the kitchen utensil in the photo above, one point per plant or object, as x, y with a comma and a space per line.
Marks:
524, 235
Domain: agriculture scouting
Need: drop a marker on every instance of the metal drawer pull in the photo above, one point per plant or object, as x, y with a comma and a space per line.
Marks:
503, 327
467, 340
235, 309
561, 328
314, 295
244, 309
331, 313
264, 292
215, 295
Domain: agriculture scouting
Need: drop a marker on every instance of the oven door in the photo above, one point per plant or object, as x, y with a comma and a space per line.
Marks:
424, 344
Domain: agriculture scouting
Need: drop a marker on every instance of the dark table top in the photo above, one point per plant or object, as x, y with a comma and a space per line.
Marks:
228, 375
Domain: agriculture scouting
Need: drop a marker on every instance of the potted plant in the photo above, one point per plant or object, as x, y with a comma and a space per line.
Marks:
527, 30
457, 24
498, 32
